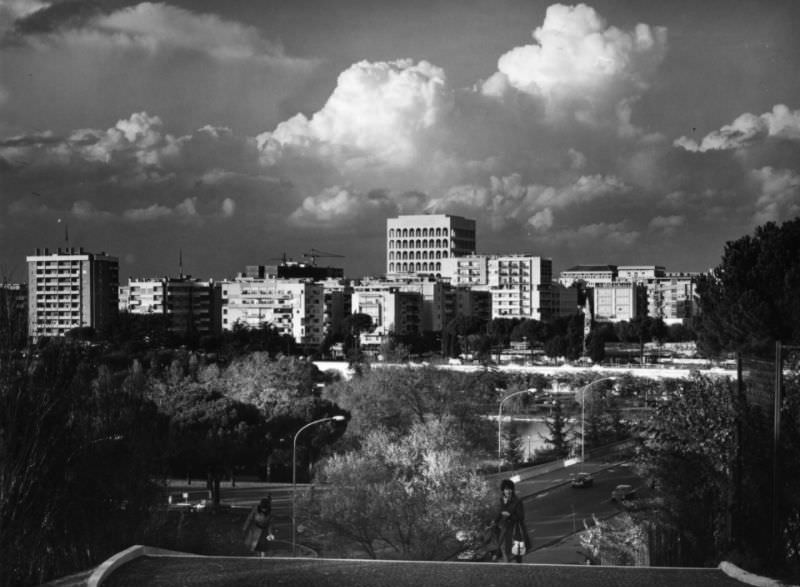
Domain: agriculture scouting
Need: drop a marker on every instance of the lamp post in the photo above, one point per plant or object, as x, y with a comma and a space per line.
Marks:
337, 418
583, 410
500, 425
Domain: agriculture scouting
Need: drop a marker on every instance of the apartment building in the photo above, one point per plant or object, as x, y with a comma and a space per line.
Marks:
588, 275
392, 310
187, 302
521, 287
618, 301
417, 244
639, 273
71, 288
672, 297
295, 307
470, 270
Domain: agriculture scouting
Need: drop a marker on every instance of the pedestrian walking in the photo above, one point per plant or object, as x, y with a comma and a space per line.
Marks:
258, 532
513, 540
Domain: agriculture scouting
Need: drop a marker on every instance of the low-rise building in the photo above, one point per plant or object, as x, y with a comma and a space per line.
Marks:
295, 307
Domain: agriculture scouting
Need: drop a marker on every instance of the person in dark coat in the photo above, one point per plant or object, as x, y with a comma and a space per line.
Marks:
510, 523
258, 531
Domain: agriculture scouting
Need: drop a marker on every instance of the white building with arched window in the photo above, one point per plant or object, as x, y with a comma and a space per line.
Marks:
418, 243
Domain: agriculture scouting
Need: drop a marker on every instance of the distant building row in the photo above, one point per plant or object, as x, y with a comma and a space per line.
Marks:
432, 275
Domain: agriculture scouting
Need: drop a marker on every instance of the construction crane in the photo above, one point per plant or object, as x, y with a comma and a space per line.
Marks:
315, 254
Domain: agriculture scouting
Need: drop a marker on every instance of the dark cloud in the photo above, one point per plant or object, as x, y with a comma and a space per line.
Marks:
59, 15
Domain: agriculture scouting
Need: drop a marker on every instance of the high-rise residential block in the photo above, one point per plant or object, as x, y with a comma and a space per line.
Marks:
521, 287
70, 288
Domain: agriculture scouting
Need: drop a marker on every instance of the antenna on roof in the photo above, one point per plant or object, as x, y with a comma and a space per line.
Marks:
180, 262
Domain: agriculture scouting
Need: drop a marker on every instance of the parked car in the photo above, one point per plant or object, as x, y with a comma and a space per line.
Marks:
623, 492
582, 480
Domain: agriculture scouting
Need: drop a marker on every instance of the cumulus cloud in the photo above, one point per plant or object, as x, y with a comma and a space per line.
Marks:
340, 206
508, 200
376, 115
748, 129
581, 67
778, 194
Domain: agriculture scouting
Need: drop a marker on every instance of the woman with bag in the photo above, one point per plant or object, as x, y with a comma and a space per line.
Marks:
513, 540
258, 527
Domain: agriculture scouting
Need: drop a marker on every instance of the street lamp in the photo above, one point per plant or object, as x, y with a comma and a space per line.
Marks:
337, 418
500, 425
583, 410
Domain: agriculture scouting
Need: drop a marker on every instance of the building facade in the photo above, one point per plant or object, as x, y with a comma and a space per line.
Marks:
392, 311
71, 288
617, 301
187, 302
588, 275
672, 297
418, 244
295, 307
521, 287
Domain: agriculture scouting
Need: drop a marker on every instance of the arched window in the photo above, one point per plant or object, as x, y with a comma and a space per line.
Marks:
391, 256
438, 267
405, 255
391, 233
438, 254
391, 267
405, 232
444, 254
419, 255
424, 255
405, 244
405, 266
419, 267
424, 266
424, 232
391, 244
419, 232
419, 243
438, 232
444, 232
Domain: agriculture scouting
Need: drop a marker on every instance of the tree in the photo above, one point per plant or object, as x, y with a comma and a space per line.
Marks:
287, 392
211, 432
397, 399
403, 495
557, 427
353, 325
78, 452
749, 301
689, 449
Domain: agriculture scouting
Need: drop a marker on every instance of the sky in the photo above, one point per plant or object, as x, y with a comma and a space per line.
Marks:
227, 134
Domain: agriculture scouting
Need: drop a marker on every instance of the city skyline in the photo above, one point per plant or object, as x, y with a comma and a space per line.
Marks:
610, 132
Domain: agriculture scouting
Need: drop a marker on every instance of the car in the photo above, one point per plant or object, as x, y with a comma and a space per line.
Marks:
582, 480
623, 492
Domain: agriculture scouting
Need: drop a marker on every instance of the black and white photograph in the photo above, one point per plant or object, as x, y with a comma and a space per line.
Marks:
379, 293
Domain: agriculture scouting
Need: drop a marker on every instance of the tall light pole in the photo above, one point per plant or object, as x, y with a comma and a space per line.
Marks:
583, 410
337, 418
500, 425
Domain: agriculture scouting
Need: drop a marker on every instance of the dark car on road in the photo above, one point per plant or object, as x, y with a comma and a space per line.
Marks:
582, 480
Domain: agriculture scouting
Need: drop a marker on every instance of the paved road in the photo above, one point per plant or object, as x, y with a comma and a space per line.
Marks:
559, 511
